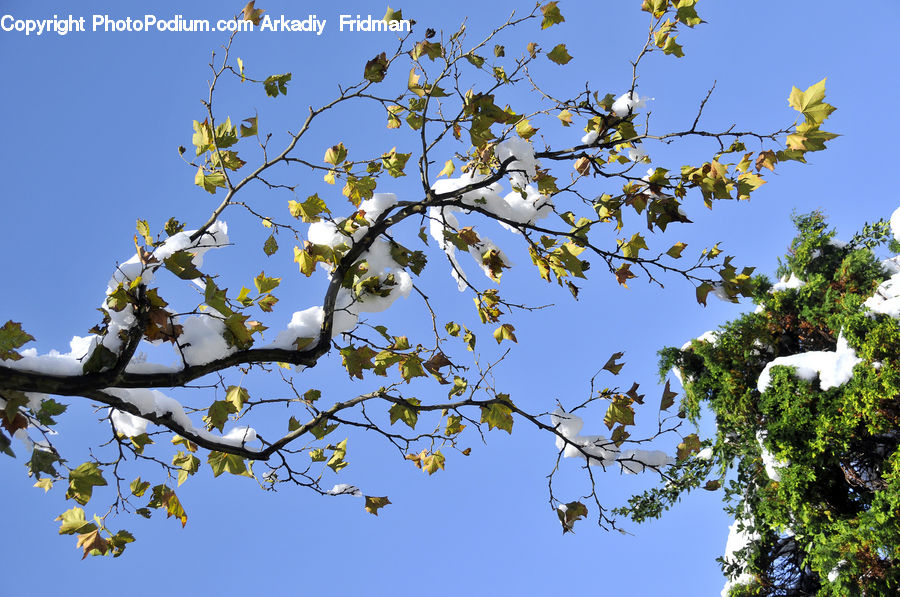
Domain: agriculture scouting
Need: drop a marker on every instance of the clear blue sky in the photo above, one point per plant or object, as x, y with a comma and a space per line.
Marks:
91, 126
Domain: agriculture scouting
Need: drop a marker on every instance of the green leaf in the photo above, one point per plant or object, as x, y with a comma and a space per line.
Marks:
267, 302
675, 251
101, 358
215, 297
163, 497
497, 415
454, 425
265, 284
427, 48
336, 154
252, 128
49, 408
406, 412
433, 462
505, 332
270, 246
209, 182
5, 447
393, 15
220, 462
559, 54
310, 209
72, 521
475, 60
322, 428
552, 16
376, 68
612, 366
143, 229
460, 385
226, 136
672, 47
229, 159
337, 462
138, 487
276, 84
218, 412
469, 339
631, 248
203, 137
687, 14
619, 411
357, 189
237, 396
569, 514
703, 291
668, 398
357, 359
12, 336
187, 463
373, 504
181, 263
82, 481
42, 461
524, 129
394, 162
139, 441
412, 367
619, 435
810, 103
173, 227
688, 446
254, 15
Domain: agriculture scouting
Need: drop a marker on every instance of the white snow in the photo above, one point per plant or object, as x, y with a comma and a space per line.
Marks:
202, 339
886, 299
833, 368
600, 450
787, 283
705, 454
637, 461
710, 336
590, 137
628, 102
513, 207
81, 347
737, 540
524, 166
145, 367
238, 436
303, 324
54, 363
637, 154
835, 572
895, 224
771, 463
377, 205
155, 402
345, 489
127, 424
325, 232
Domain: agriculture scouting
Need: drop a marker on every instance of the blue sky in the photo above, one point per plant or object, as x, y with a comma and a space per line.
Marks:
91, 126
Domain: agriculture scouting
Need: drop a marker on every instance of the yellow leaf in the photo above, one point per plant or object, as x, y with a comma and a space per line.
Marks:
448, 169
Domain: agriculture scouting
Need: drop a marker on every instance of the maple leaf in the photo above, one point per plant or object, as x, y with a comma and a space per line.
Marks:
252, 14
91, 541
373, 504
